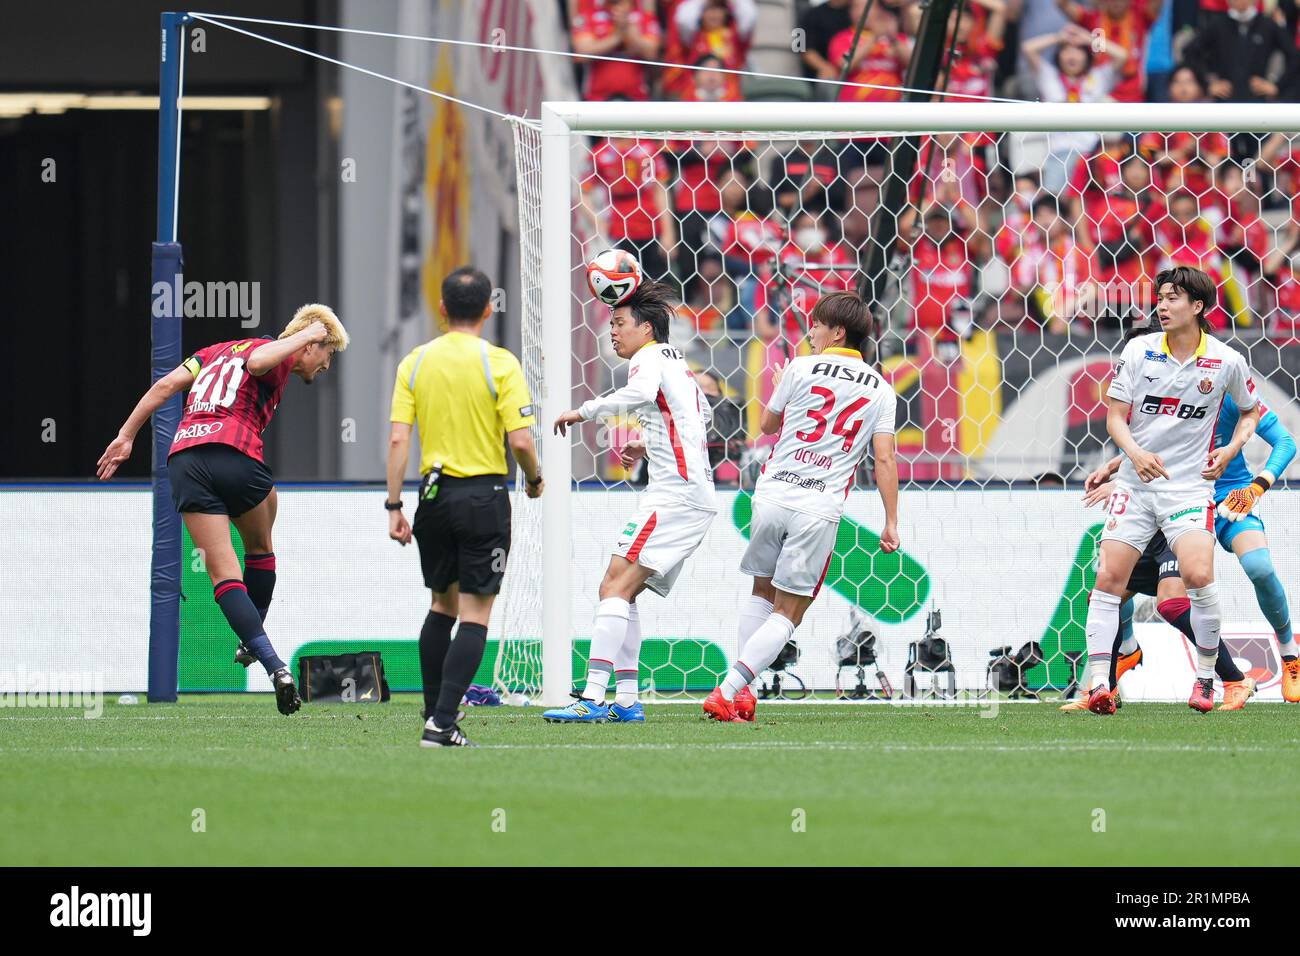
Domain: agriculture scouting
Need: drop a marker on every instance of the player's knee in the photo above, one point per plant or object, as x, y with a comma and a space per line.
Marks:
1258, 565
1197, 576
763, 589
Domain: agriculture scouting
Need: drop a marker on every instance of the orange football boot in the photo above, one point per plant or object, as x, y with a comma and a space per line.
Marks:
1101, 700
1202, 698
1126, 663
718, 707
1291, 680
745, 704
1236, 693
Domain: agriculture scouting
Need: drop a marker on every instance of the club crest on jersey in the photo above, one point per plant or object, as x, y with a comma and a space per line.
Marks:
1156, 356
1206, 386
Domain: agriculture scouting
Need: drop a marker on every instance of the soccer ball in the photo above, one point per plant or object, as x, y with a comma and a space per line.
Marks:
613, 276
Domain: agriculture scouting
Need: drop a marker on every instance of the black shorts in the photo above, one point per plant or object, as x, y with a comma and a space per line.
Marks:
1157, 563
464, 534
217, 479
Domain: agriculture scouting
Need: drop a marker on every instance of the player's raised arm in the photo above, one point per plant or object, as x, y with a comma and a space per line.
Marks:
266, 357
177, 380
1241, 501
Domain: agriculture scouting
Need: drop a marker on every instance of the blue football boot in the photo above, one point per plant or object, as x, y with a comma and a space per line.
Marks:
627, 715
579, 712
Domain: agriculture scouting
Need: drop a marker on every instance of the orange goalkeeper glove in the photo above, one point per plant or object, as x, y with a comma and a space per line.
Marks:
1241, 501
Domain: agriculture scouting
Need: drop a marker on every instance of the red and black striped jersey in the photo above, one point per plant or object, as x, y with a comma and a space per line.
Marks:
226, 404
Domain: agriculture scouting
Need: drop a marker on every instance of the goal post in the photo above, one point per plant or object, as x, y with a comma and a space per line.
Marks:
978, 445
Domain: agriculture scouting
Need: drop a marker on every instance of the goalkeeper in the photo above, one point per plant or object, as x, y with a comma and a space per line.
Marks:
1241, 531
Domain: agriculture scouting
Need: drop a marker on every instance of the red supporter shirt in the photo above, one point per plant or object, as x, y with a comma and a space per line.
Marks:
941, 273
226, 405
1171, 154
606, 78
1100, 173
749, 238
972, 73
700, 168
880, 66
804, 291
1129, 31
620, 167
1286, 323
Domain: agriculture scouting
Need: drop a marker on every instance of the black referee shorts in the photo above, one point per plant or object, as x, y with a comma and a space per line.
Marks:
464, 534
216, 479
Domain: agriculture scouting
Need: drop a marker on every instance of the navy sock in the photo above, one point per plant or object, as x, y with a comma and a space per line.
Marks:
1226, 668
232, 597
1178, 612
259, 578
458, 669
435, 639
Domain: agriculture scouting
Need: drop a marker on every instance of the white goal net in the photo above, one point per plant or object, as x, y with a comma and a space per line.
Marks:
1026, 245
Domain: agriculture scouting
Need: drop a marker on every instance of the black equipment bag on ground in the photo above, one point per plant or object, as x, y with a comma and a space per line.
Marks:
343, 678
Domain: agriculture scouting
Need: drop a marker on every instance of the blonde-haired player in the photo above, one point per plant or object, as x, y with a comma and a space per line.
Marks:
829, 408
216, 471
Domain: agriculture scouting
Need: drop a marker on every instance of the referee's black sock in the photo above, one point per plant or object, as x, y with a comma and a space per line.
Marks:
435, 638
259, 578
232, 598
458, 669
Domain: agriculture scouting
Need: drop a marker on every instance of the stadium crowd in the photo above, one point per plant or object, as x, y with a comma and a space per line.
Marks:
1051, 234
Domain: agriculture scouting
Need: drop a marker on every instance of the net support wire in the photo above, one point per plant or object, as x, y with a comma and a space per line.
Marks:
216, 18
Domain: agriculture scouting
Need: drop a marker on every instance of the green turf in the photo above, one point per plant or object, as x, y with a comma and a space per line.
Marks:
877, 784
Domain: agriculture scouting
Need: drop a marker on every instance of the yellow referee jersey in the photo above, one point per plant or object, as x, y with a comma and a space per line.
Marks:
463, 394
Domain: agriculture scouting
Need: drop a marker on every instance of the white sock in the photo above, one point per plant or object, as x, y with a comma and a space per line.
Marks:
627, 662
760, 650
753, 614
1288, 648
1103, 622
1207, 621
607, 637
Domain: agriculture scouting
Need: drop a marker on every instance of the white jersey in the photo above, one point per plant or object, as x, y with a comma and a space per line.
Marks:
1175, 406
674, 414
831, 404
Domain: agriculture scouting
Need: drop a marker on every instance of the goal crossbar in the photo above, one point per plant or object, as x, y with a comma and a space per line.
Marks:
583, 117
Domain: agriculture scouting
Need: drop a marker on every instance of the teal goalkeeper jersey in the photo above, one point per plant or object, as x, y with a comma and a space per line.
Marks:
1271, 429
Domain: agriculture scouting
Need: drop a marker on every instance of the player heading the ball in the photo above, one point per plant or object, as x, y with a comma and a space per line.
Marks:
673, 513
216, 470
1164, 402
829, 408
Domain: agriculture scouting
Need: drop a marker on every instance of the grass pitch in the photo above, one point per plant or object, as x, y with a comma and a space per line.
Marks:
870, 784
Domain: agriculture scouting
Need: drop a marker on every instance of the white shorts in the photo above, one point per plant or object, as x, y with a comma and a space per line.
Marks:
1134, 515
660, 537
792, 548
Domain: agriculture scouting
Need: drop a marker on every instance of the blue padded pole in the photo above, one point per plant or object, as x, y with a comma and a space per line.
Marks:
165, 336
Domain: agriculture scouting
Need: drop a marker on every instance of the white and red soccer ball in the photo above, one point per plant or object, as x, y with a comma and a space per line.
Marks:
613, 276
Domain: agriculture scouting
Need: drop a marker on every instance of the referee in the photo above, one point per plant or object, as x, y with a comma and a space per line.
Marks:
463, 394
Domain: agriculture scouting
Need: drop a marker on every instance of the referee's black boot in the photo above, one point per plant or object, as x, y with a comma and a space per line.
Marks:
435, 736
